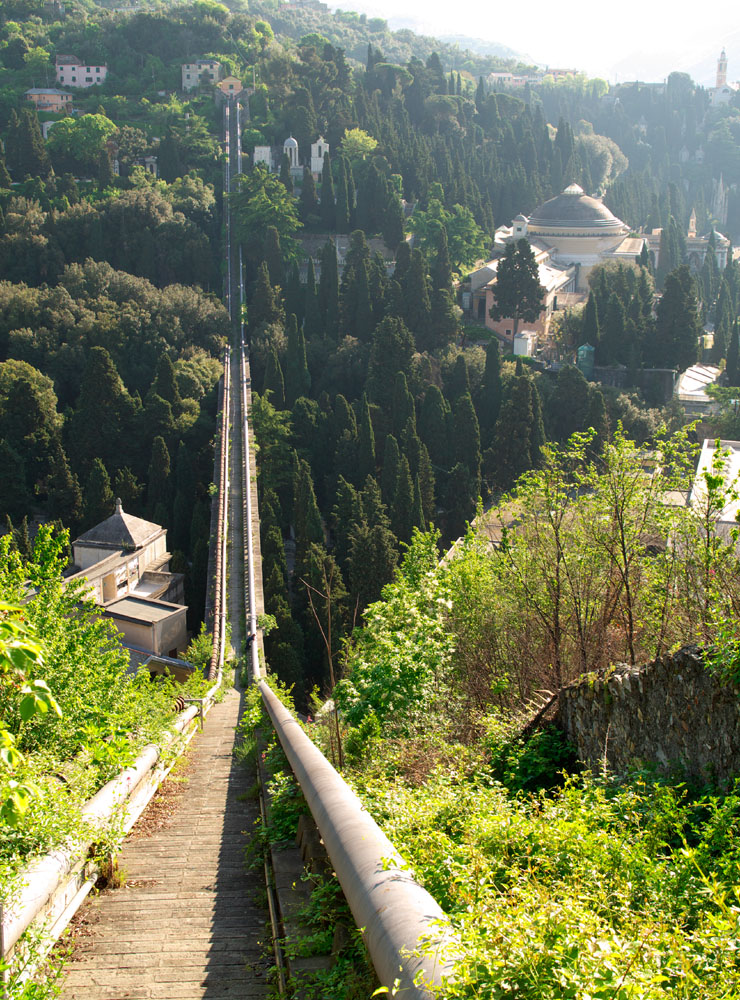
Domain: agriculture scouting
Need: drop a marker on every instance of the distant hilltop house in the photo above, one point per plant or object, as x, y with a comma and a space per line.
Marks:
49, 99
123, 564
272, 156
72, 73
507, 79
229, 87
200, 71
723, 92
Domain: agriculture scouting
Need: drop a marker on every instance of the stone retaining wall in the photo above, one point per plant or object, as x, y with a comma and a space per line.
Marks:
672, 711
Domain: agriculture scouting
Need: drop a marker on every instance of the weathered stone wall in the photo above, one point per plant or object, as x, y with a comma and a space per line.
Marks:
670, 712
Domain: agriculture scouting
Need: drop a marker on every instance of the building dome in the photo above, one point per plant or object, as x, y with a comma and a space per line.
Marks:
290, 143
573, 211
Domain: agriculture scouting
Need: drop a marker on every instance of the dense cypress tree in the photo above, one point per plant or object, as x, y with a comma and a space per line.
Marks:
342, 213
102, 424
444, 325
568, 405
165, 383
517, 293
308, 204
433, 426
390, 352
391, 464
274, 383
489, 394
417, 304
611, 348
329, 290
393, 220
403, 405
345, 513
328, 215
313, 323
32, 157
158, 491
366, 442
274, 257
458, 382
677, 325
461, 496
265, 307
65, 497
441, 273
128, 489
98, 500
590, 330
402, 508
105, 171
466, 444
285, 176
308, 527
597, 419
372, 561
294, 292
297, 375
733, 356
186, 482
512, 437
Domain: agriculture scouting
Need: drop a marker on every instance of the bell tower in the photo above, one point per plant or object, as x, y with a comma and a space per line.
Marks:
722, 69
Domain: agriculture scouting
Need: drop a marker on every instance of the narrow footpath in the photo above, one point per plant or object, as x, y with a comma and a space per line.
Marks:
188, 922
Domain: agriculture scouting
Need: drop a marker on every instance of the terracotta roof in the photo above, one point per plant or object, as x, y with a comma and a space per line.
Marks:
120, 531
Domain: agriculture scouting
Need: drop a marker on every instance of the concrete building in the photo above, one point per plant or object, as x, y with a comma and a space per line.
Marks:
49, 99
318, 150
200, 71
123, 565
73, 73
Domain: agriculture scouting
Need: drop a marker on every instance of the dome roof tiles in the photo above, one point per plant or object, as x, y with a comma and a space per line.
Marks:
574, 210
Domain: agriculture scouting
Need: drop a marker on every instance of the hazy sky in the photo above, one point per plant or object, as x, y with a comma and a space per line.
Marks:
645, 38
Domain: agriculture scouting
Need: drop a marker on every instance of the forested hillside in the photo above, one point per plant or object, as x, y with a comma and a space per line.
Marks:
378, 410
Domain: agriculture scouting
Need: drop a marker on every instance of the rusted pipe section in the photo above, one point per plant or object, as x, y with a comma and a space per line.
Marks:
406, 932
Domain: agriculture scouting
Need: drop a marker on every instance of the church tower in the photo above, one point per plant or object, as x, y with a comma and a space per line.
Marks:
722, 70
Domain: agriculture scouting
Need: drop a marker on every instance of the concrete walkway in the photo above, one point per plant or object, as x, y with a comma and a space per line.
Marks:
189, 922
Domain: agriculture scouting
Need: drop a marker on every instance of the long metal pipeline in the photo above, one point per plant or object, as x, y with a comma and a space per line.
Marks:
406, 932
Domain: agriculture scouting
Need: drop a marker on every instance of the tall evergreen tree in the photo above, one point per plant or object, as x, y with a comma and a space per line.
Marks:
489, 394
342, 213
366, 442
328, 297
297, 375
328, 215
313, 323
417, 304
402, 509
403, 405
517, 293
433, 426
308, 204
677, 326
265, 306
159, 491
98, 500
391, 465
274, 257
285, 175
274, 382
466, 445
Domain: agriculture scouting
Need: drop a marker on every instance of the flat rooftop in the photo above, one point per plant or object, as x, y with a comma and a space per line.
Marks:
139, 609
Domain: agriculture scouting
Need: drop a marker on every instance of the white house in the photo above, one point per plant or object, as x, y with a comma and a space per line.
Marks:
200, 71
73, 73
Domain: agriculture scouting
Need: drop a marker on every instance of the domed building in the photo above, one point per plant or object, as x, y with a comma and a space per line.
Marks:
579, 231
569, 234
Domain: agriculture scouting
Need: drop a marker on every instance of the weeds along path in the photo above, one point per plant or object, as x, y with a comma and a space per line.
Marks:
185, 925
